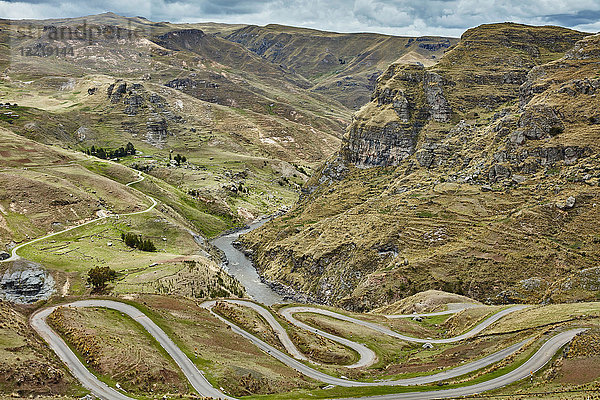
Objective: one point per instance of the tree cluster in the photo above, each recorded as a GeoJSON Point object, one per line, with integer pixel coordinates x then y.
{"type": "Point", "coordinates": [105, 154]}
{"type": "Point", "coordinates": [178, 159]}
{"type": "Point", "coordinates": [99, 276]}
{"type": "Point", "coordinates": [137, 242]}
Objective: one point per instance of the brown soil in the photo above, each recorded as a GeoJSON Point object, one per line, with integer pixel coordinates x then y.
{"type": "Point", "coordinates": [580, 370]}
{"type": "Point", "coordinates": [448, 358]}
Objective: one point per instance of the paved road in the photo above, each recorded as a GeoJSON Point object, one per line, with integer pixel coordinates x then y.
{"type": "Point", "coordinates": [88, 380]}
{"type": "Point", "coordinates": [266, 314]}
{"type": "Point", "coordinates": [288, 313]}
{"type": "Point", "coordinates": [14, 256]}
{"type": "Point", "coordinates": [535, 363]}
{"type": "Point", "coordinates": [199, 382]}
{"type": "Point", "coordinates": [453, 308]}
{"type": "Point", "coordinates": [367, 356]}
{"type": "Point", "coordinates": [204, 388]}
{"type": "Point", "coordinates": [306, 370]}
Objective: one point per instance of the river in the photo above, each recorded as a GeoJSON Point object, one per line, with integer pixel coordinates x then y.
{"type": "Point", "coordinates": [243, 270]}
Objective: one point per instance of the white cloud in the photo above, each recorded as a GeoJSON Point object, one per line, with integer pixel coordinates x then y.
{"type": "Point", "coordinates": [400, 17]}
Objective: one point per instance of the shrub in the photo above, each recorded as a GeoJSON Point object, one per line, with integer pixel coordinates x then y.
{"type": "Point", "coordinates": [138, 242]}
{"type": "Point", "coordinates": [99, 276]}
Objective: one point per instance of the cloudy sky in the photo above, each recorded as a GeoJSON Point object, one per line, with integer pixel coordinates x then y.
{"type": "Point", "coordinates": [399, 17]}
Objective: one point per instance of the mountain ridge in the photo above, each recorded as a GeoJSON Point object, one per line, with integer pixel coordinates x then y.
{"type": "Point", "coordinates": [427, 192]}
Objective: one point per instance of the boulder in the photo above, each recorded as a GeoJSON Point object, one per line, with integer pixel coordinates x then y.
{"type": "Point", "coordinates": [26, 283]}
{"type": "Point", "coordinates": [498, 172]}
{"type": "Point", "coordinates": [425, 157]}
{"type": "Point", "coordinates": [567, 204]}
{"type": "Point", "coordinates": [540, 121]}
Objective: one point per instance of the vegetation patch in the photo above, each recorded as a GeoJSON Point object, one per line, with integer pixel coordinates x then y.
{"type": "Point", "coordinates": [137, 242]}
{"type": "Point", "coordinates": [118, 350]}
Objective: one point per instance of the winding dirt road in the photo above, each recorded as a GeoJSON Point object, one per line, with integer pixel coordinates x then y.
{"type": "Point", "coordinates": [14, 256]}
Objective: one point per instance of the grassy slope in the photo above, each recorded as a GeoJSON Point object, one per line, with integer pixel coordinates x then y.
{"type": "Point", "coordinates": [256, 113]}
{"type": "Point", "coordinates": [338, 65]}
{"type": "Point", "coordinates": [377, 235]}
{"type": "Point", "coordinates": [193, 328]}
{"type": "Point", "coordinates": [28, 366]}
{"type": "Point", "coordinates": [225, 357]}
{"type": "Point", "coordinates": [48, 189]}
{"type": "Point", "coordinates": [103, 339]}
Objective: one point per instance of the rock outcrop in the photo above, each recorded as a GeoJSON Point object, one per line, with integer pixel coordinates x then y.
{"type": "Point", "coordinates": [136, 100]}
{"type": "Point", "coordinates": [156, 131]}
{"type": "Point", "coordinates": [385, 131]}
{"type": "Point", "coordinates": [26, 282]}
{"type": "Point", "coordinates": [478, 176]}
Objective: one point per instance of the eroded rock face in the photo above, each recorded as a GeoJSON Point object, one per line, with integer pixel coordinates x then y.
{"type": "Point", "coordinates": [397, 99]}
{"type": "Point", "coordinates": [133, 102]}
{"type": "Point", "coordinates": [588, 48]}
{"type": "Point", "coordinates": [439, 108]}
{"type": "Point", "coordinates": [156, 131]}
{"type": "Point", "coordinates": [415, 96]}
{"type": "Point", "coordinates": [541, 121]}
{"type": "Point", "coordinates": [116, 94]}
{"type": "Point", "coordinates": [26, 282]}
{"type": "Point", "coordinates": [136, 100]}
{"type": "Point", "coordinates": [381, 146]}
{"type": "Point", "coordinates": [185, 38]}
{"type": "Point", "coordinates": [539, 154]}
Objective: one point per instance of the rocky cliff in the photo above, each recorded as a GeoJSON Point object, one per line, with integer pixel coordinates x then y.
{"type": "Point", "coordinates": [477, 176]}
{"type": "Point", "coordinates": [385, 131]}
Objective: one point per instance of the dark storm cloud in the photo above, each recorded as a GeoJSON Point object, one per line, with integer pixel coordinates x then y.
{"type": "Point", "coordinates": [578, 18]}
{"type": "Point", "coordinates": [408, 17]}
{"type": "Point", "coordinates": [230, 7]}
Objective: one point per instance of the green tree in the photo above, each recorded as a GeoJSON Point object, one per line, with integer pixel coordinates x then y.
{"type": "Point", "coordinates": [137, 242]}
{"type": "Point", "coordinates": [147, 245]}
{"type": "Point", "coordinates": [98, 277]}
{"type": "Point", "coordinates": [129, 149]}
